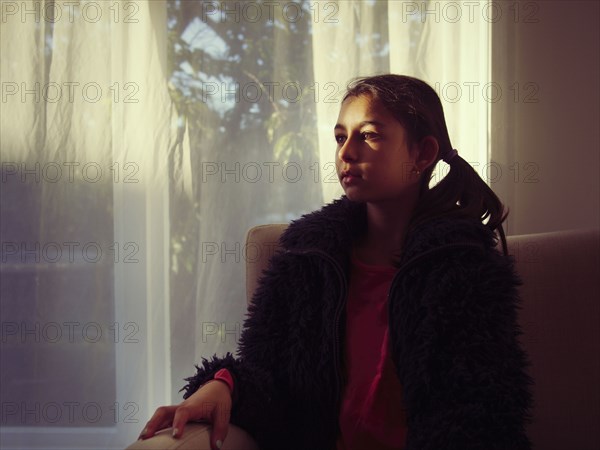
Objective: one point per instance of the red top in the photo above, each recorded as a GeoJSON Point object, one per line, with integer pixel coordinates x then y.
{"type": "Point", "coordinates": [371, 416]}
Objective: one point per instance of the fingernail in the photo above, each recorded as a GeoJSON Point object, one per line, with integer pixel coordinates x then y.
{"type": "Point", "coordinates": [175, 431]}
{"type": "Point", "coordinates": [219, 443]}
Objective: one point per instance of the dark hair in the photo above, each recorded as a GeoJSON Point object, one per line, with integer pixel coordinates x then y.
{"type": "Point", "coordinates": [462, 192]}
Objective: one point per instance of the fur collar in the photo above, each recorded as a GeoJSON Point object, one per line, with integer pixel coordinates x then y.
{"type": "Point", "coordinates": [337, 225]}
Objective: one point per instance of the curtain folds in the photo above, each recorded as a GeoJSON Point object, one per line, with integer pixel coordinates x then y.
{"type": "Point", "coordinates": [86, 123]}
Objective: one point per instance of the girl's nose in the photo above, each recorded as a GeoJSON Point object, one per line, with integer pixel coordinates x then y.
{"type": "Point", "coordinates": [348, 151]}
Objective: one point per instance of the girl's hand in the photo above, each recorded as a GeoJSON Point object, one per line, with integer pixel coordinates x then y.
{"type": "Point", "coordinates": [212, 402]}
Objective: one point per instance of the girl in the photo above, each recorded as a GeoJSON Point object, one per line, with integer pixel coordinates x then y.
{"type": "Point", "coordinates": [388, 320]}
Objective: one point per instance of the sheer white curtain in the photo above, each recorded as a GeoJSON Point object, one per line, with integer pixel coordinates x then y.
{"type": "Point", "coordinates": [135, 155]}
{"type": "Point", "coordinates": [86, 125]}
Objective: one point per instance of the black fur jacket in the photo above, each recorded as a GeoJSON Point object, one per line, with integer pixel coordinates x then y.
{"type": "Point", "coordinates": [453, 330]}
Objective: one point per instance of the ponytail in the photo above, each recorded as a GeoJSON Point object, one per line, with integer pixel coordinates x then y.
{"type": "Point", "coordinates": [461, 193]}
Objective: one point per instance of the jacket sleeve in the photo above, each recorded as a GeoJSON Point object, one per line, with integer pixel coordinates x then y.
{"type": "Point", "coordinates": [472, 390]}
{"type": "Point", "coordinates": [261, 392]}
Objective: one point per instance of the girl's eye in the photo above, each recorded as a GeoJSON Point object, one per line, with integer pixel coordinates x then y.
{"type": "Point", "coordinates": [368, 135]}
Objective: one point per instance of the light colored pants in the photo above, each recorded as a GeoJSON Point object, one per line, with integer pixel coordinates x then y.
{"type": "Point", "coordinates": [196, 436]}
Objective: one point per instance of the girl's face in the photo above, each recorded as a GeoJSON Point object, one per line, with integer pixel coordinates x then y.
{"type": "Point", "coordinates": [373, 161]}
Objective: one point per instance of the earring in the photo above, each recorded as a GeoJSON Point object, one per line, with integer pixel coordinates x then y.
{"type": "Point", "coordinates": [417, 171]}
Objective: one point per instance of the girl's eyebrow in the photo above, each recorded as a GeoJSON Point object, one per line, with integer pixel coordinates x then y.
{"type": "Point", "coordinates": [362, 124]}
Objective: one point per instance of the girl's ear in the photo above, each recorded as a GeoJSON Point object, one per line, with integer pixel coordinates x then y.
{"type": "Point", "coordinates": [428, 152]}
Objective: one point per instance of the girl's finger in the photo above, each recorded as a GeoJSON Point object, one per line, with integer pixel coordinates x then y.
{"type": "Point", "coordinates": [220, 422]}
{"type": "Point", "coordinates": [162, 418]}
{"type": "Point", "coordinates": [182, 416]}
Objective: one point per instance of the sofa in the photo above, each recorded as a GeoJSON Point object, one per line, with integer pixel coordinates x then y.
{"type": "Point", "coordinates": [560, 319]}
